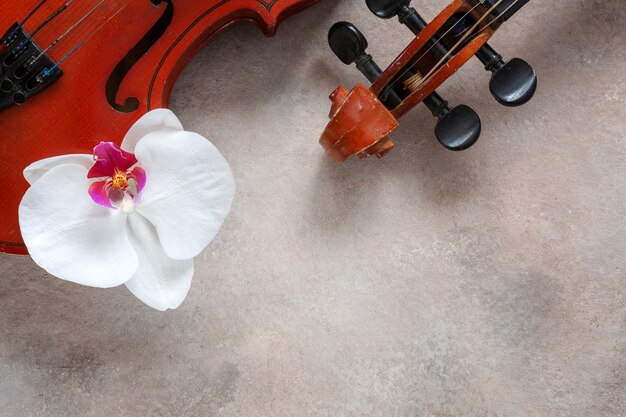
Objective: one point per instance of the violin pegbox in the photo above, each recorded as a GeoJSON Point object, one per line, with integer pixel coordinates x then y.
{"type": "Point", "coordinates": [360, 122]}
{"type": "Point", "coordinates": [362, 119]}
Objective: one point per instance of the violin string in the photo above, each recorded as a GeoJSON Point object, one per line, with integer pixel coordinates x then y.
{"type": "Point", "coordinates": [420, 80]}
{"type": "Point", "coordinates": [70, 29]}
{"type": "Point", "coordinates": [52, 16]}
{"type": "Point", "coordinates": [436, 43]}
{"type": "Point", "coordinates": [472, 35]}
{"type": "Point", "coordinates": [467, 35]}
{"type": "Point", "coordinates": [43, 24]}
{"type": "Point", "coordinates": [32, 12]}
{"type": "Point", "coordinates": [47, 72]}
{"type": "Point", "coordinates": [417, 81]}
{"type": "Point", "coordinates": [423, 79]}
{"type": "Point", "coordinates": [11, 37]}
{"type": "Point", "coordinates": [497, 17]}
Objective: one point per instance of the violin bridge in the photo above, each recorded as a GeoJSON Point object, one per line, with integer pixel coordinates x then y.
{"type": "Point", "coordinates": [24, 69]}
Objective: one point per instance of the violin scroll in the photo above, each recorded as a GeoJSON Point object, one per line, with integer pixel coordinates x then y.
{"type": "Point", "coordinates": [439, 49]}
{"type": "Point", "coordinates": [456, 129]}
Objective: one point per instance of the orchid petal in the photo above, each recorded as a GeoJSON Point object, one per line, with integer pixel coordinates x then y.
{"type": "Point", "coordinates": [189, 191]}
{"type": "Point", "coordinates": [99, 194]}
{"type": "Point", "coordinates": [70, 236]}
{"type": "Point", "coordinates": [109, 159]}
{"type": "Point", "coordinates": [35, 170]}
{"type": "Point", "coordinates": [139, 175]}
{"type": "Point", "coordinates": [160, 282]}
{"type": "Point", "coordinates": [158, 120]}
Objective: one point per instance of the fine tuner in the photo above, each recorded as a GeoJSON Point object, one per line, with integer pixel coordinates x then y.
{"type": "Point", "coordinates": [362, 119]}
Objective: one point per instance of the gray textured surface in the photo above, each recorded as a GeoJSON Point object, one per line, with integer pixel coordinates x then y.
{"type": "Point", "coordinates": [487, 283]}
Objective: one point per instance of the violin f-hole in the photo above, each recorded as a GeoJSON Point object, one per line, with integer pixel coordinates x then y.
{"type": "Point", "coordinates": [116, 78]}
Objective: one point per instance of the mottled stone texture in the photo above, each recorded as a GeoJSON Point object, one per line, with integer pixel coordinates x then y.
{"type": "Point", "coordinates": [489, 283]}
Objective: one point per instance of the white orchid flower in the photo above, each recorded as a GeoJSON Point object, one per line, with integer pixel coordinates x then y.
{"type": "Point", "coordinates": [136, 216]}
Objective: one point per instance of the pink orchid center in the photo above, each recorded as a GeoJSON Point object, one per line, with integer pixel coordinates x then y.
{"type": "Point", "coordinates": [120, 180]}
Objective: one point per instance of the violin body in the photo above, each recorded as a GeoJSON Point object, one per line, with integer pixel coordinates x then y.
{"type": "Point", "coordinates": [133, 52]}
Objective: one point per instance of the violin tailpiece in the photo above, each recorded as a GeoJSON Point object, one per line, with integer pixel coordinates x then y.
{"type": "Point", "coordinates": [22, 64]}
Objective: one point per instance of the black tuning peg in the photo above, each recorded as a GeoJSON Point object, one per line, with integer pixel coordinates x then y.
{"type": "Point", "coordinates": [513, 83]}
{"type": "Point", "coordinates": [386, 9]}
{"type": "Point", "coordinates": [459, 128]}
{"type": "Point", "coordinates": [349, 44]}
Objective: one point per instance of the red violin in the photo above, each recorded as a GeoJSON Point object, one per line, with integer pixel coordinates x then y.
{"type": "Point", "coordinates": [74, 73]}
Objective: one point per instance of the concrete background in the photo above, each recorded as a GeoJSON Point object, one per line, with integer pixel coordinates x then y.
{"type": "Point", "coordinates": [486, 283]}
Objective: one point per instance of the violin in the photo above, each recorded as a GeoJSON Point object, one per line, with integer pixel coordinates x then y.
{"type": "Point", "coordinates": [74, 73]}
{"type": "Point", "coordinates": [362, 119]}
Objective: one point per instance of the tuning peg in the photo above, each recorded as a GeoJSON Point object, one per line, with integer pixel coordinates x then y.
{"type": "Point", "coordinates": [349, 44]}
{"type": "Point", "coordinates": [386, 9]}
{"type": "Point", "coordinates": [458, 128]}
{"type": "Point", "coordinates": [513, 83]}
